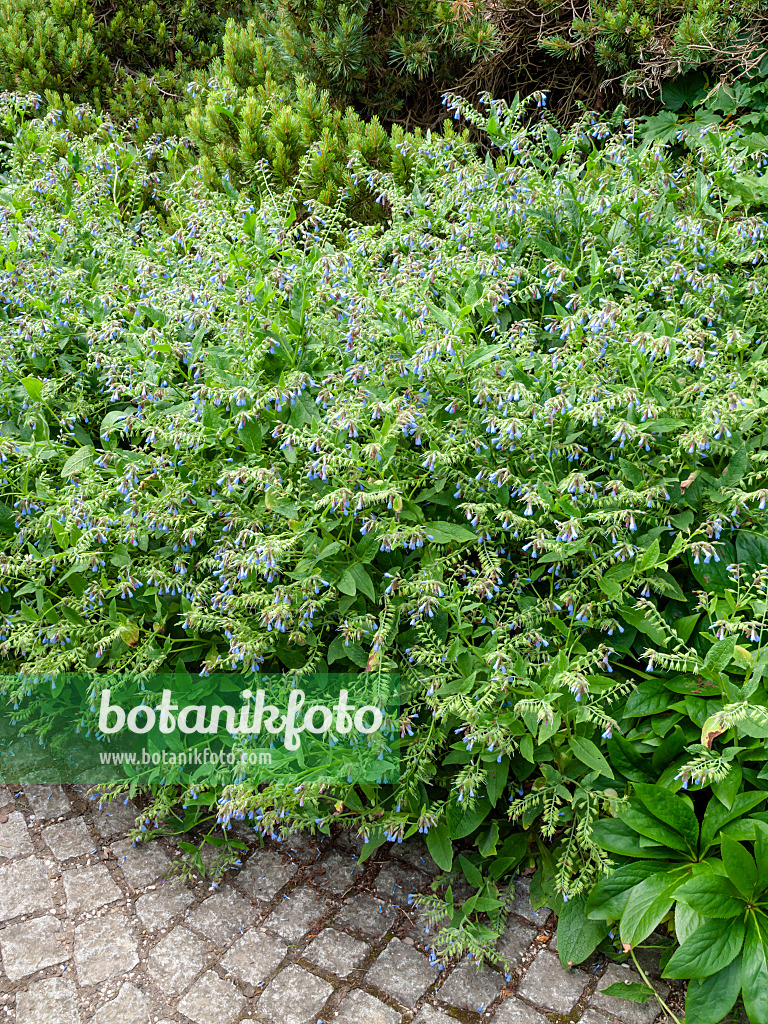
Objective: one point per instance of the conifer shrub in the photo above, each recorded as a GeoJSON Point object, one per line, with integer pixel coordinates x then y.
{"type": "Point", "coordinates": [508, 443]}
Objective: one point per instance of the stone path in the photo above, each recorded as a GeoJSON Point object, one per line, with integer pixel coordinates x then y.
{"type": "Point", "coordinates": [301, 934]}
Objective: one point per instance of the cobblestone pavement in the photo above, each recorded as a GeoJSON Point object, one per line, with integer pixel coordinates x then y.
{"type": "Point", "coordinates": [90, 931]}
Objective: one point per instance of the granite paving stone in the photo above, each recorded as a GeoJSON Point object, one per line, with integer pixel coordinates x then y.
{"type": "Point", "coordinates": [264, 875]}
{"type": "Point", "coordinates": [336, 873]}
{"type": "Point", "coordinates": [96, 931]}
{"type": "Point", "coordinates": [415, 853]}
{"type": "Point", "coordinates": [367, 916]}
{"type": "Point", "coordinates": [294, 996]}
{"type": "Point", "coordinates": [176, 960]}
{"type": "Point", "coordinates": [105, 948]}
{"type": "Point", "coordinates": [141, 865]}
{"type": "Point", "coordinates": [397, 881]}
{"type": "Point", "coordinates": [24, 888]}
{"type": "Point", "coordinates": [47, 802]}
{"type": "Point", "coordinates": [212, 1000]}
{"type": "Point", "coordinates": [513, 1011]}
{"type": "Point", "coordinates": [254, 957]}
{"type": "Point", "coordinates": [516, 939]}
{"type": "Point", "coordinates": [549, 985]}
{"type": "Point", "coordinates": [431, 1015]}
{"type": "Point", "coordinates": [402, 973]}
{"type": "Point", "coordinates": [130, 1006]}
{"type": "Point", "coordinates": [336, 952]}
{"type": "Point", "coordinates": [470, 989]}
{"type": "Point", "coordinates": [295, 917]}
{"type": "Point", "coordinates": [114, 818]}
{"type": "Point", "coordinates": [14, 837]}
{"type": "Point", "coordinates": [89, 887]}
{"type": "Point", "coordinates": [361, 1008]}
{"type": "Point", "coordinates": [158, 908]}
{"type": "Point", "coordinates": [223, 916]}
{"type": "Point", "coordinates": [521, 904]}
{"type": "Point", "coordinates": [30, 946]}
{"type": "Point", "coordinates": [52, 1001]}
{"type": "Point", "coordinates": [69, 839]}
{"type": "Point", "coordinates": [625, 1009]}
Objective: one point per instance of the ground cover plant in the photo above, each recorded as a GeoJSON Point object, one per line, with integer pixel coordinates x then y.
{"type": "Point", "coordinates": [506, 442]}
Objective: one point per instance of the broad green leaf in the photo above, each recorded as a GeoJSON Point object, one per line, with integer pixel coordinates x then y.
{"type": "Point", "coordinates": [445, 533]}
{"type": "Point", "coordinates": [616, 837]}
{"type": "Point", "coordinates": [608, 898]}
{"type": "Point", "coordinates": [651, 697]}
{"type": "Point", "coordinates": [487, 840]}
{"type": "Point", "coordinates": [496, 779]}
{"type": "Point", "coordinates": [635, 991]}
{"type": "Point", "coordinates": [720, 654]}
{"type": "Point", "coordinates": [33, 387]}
{"type": "Point", "coordinates": [577, 935]}
{"type": "Point", "coordinates": [645, 625]}
{"type": "Point", "coordinates": [674, 810]}
{"type": "Point", "coordinates": [751, 550]}
{"type": "Point", "coordinates": [589, 754]}
{"type": "Point", "coordinates": [711, 948]}
{"type": "Point", "coordinates": [717, 815]}
{"type": "Point", "coordinates": [440, 847]}
{"type": "Point", "coordinates": [76, 463]}
{"type": "Point", "coordinates": [647, 904]}
{"type": "Point", "coordinates": [711, 895]}
{"type": "Point", "coordinates": [707, 1001]}
{"type": "Point", "coordinates": [754, 968]}
{"type": "Point", "coordinates": [363, 581]}
{"type": "Point", "coordinates": [739, 866]}
{"type": "Point", "coordinates": [471, 872]}
{"type": "Point", "coordinates": [610, 588]}
{"type": "Point", "coordinates": [347, 583]}
{"type": "Point", "coordinates": [462, 821]}
{"type": "Point", "coordinates": [685, 625]}
{"type": "Point", "coordinates": [650, 827]}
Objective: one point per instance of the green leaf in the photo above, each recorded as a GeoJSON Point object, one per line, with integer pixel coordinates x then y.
{"type": "Point", "coordinates": [674, 810]}
{"type": "Point", "coordinates": [610, 588]}
{"type": "Point", "coordinates": [754, 968]}
{"type": "Point", "coordinates": [650, 827]}
{"type": "Point", "coordinates": [632, 990]}
{"type": "Point", "coordinates": [472, 873]}
{"type": "Point", "coordinates": [638, 619]}
{"type": "Point", "coordinates": [462, 821]}
{"type": "Point", "coordinates": [347, 583]}
{"type": "Point", "coordinates": [712, 896]}
{"type": "Point", "coordinates": [751, 550]}
{"type": "Point", "coordinates": [589, 754]}
{"type": "Point", "coordinates": [647, 904]}
{"type": "Point", "coordinates": [496, 779]}
{"type": "Point", "coordinates": [363, 581]}
{"type": "Point", "coordinates": [739, 866]}
{"type": "Point", "coordinates": [708, 1000]}
{"type": "Point", "coordinates": [717, 815]}
{"type": "Point", "coordinates": [577, 935]}
{"type": "Point", "coordinates": [445, 533]}
{"type": "Point", "coordinates": [685, 625]}
{"type": "Point", "coordinates": [608, 898]}
{"type": "Point", "coordinates": [720, 653]}
{"type": "Point", "coordinates": [651, 555]}
{"type": "Point", "coordinates": [616, 837]}
{"type": "Point", "coordinates": [711, 948]}
{"type": "Point", "coordinates": [651, 697]}
{"type": "Point", "coordinates": [33, 387]}
{"type": "Point", "coordinates": [487, 840]}
{"type": "Point", "coordinates": [76, 463]}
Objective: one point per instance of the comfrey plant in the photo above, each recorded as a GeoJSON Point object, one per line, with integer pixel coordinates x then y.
{"type": "Point", "coordinates": [494, 445]}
